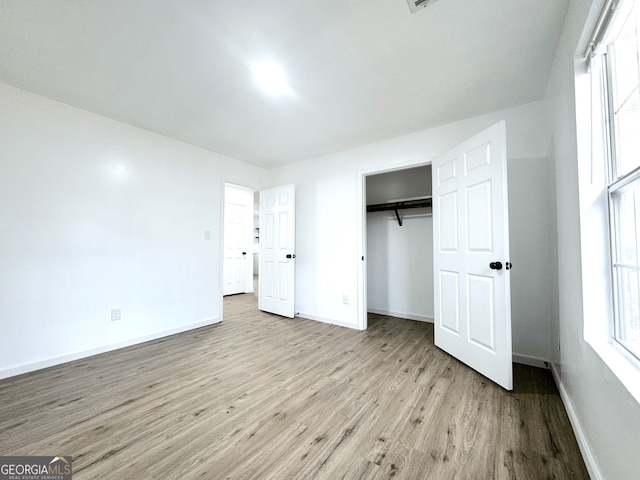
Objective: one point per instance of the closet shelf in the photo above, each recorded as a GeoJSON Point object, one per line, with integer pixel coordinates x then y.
{"type": "Point", "coordinates": [395, 206]}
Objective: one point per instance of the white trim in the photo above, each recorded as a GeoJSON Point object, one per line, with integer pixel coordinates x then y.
{"type": "Point", "coordinates": [531, 360]}
{"type": "Point", "coordinates": [408, 316]}
{"type": "Point", "coordinates": [330, 321]}
{"type": "Point", "coordinates": [70, 357]}
{"type": "Point", "coordinates": [583, 443]}
{"type": "Point", "coordinates": [223, 190]}
{"type": "Point", "coordinates": [361, 235]}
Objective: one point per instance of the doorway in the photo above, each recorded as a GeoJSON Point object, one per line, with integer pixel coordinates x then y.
{"type": "Point", "coordinates": [399, 243]}
{"type": "Point", "coordinates": [238, 240]}
{"type": "Point", "coordinates": [259, 246]}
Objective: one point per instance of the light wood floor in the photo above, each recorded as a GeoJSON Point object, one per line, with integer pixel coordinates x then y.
{"type": "Point", "coordinates": [263, 397]}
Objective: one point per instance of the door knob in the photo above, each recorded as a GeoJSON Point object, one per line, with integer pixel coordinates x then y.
{"type": "Point", "coordinates": [244, 253]}
{"type": "Point", "coordinates": [495, 265]}
{"type": "Point", "coordinates": [290, 256]}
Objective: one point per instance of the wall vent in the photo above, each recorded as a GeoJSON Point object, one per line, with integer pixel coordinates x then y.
{"type": "Point", "coordinates": [416, 5]}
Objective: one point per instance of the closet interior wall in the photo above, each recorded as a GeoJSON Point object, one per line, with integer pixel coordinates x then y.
{"type": "Point", "coordinates": [400, 246]}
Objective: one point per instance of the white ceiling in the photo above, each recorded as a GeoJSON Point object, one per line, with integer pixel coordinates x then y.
{"type": "Point", "coordinates": [360, 71]}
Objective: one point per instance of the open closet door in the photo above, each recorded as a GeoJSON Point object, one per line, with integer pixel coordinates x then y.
{"type": "Point", "coordinates": [471, 255]}
{"type": "Point", "coordinates": [277, 250]}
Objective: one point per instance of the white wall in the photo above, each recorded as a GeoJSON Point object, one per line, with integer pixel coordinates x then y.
{"type": "Point", "coordinates": [605, 416]}
{"type": "Point", "coordinates": [328, 216]}
{"type": "Point", "coordinates": [399, 185]}
{"type": "Point", "coordinates": [95, 215]}
{"type": "Point", "coordinates": [400, 264]}
{"type": "Point", "coordinates": [531, 213]}
{"type": "Point", "coordinates": [400, 258]}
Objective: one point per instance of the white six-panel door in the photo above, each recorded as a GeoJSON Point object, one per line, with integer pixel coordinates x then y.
{"type": "Point", "coordinates": [472, 298]}
{"type": "Point", "coordinates": [277, 250]}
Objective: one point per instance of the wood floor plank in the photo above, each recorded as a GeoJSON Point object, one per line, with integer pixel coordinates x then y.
{"type": "Point", "coordinates": [263, 397]}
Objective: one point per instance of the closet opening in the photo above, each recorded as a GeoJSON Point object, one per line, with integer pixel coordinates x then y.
{"type": "Point", "coordinates": [399, 244]}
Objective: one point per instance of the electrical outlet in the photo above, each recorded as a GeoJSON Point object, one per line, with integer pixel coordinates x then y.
{"type": "Point", "coordinates": [345, 299]}
{"type": "Point", "coordinates": [207, 234]}
{"type": "Point", "coordinates": [115, 314]}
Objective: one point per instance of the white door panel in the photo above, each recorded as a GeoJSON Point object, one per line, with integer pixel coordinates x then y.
{"type": "Point", "coordinates": [277, 250]}
{"type": "Point", "coordinates": [472, 308]}
{"type": "Point", "coordinates": [449, 301]}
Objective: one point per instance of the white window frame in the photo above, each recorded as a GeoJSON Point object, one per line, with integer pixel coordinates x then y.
{"type": "Point", "coordinates": [616, 181]}
{"type": "Point", "coordinates": [597, 183]}
{"type": "Point", "coordinates": [616, 264]}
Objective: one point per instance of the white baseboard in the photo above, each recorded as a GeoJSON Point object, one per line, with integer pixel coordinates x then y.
{"type": "Point", "coordinates": [330, 321]}
{"type": "Point", "coordinates": [52, 361]}
{"type": "Point", "coordinates": [583, 443]}
{"type": "Point", "coordinates": [408, 316]}
{"type": "Point", "coordinates": [531, 360]}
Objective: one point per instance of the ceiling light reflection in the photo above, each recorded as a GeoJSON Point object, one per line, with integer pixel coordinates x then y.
{"type": "Point", "coordinates": [271, 78]}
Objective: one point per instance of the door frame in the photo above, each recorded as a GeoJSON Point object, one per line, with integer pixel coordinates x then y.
{"type": "Point", "coordinates": [361, 195]}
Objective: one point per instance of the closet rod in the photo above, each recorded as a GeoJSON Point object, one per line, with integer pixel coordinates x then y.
{"type": "Point", "coordinates": [395, 206]}
{"type": "Point", "coordinates": [381, 207]}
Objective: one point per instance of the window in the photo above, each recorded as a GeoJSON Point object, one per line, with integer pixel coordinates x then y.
{"type": "Point", "coordinates": [619, 88]}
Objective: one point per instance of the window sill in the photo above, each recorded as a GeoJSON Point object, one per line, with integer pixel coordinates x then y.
{"type": "Point", "coordinates": [623, 365]}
